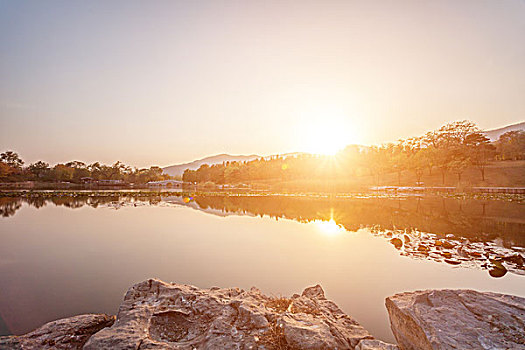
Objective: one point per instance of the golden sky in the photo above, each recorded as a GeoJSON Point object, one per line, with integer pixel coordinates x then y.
{"type": "Point", "coordinates": [163, 82]}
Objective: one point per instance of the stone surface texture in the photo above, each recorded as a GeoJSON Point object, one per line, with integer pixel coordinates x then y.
{"type": "Point", "coordinates": [66, 333]}
{"type": "Point", "coordinates": [159, 315]}
{"type": "Point", "coordinates": [374, 344]}
{"type": "Point", "coordinates": [457, 319]}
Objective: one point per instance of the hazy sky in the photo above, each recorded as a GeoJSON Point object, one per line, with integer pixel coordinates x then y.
{"type": "Point", "coordinates": [161, 82]}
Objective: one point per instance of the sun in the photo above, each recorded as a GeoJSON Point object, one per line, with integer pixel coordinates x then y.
{"type": "Point", "coordinates": [328, 140]}
{"type": "Point", "coordinates": [326, 131]}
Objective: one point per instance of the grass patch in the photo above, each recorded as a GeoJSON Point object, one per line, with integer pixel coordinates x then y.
{"type": "Point", "coordinates": [274, 339]}
{"type": "Point", "coordinates": [279, 304]}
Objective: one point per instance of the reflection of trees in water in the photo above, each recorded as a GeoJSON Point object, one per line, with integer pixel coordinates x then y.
{"type": "Point", "coordinates": [9, 206]}
{"type": "Point", "coordinates": [429, 221]}
{"type": "Point", "coordinates": [37, 202]}
{"type": "Point", "coordinates": [453, 231]}
{"type": "Point", "coordinates": [473, 219]}
{"type": "Point", "coordinates": [477, 220]}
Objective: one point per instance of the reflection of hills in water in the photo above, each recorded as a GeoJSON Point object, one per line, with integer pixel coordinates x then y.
{"type": "Point", "coordinates": [468, 232]}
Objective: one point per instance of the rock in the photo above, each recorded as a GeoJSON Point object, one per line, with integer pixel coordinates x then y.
{"type": "Point", "coordinates": [447, 255]}
{"type": "Point", "coordinates": [159, 315]}
{"type": "Point", "coordinates": [398, 243]}
{"type": "Point", "coordinates": [448, 245]}
{"type": "Point", "coordinates": [315, 292]}
{"type": "Point", "coordinates": [374, 344]}
{"type": "Point", "coordinates": [422, 248]}
{"type": "Point", "coordinates": [457, 319]}
{"type": "Point", "coordinates": [452, 261]}
{"type": "Point", "coordinates": [498, 271]}
{"type": "Point", "coordinates": [516, 259]}
{"type": "Point", "coordinates": [66, 333]}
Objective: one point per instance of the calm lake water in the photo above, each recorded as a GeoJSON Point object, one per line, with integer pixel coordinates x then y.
{"type": "Point", "coordinates": [64, 256]}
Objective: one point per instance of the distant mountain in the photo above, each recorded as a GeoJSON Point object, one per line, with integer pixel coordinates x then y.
{"type": "Point", "coordinates": [494, 134]}
{"type": "Point", "coordinates": [286, 155]}
{"type": "Point", "coordinates": [178, 169]}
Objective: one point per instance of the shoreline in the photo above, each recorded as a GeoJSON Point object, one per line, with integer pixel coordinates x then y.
{"type": "Point", "coordinates": [515, 197]}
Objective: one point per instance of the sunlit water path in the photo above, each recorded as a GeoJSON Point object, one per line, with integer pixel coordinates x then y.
{"type": "Point", "coordinates": [57, 262]}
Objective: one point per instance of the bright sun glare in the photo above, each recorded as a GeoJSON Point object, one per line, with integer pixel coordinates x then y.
{"type": "Point", "coordinates": [328, 140]}
{"type": "Point", "coordinates": [329, 228]}
{"type": "Point", "coordinates": [326, 131]}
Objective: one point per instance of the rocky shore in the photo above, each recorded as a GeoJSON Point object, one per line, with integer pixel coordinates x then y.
{"type": "Point", "coordinates": [159, 315]}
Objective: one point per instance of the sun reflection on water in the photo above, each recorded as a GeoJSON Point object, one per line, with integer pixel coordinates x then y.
{"type": "Point", "coordinates": [329, 228]}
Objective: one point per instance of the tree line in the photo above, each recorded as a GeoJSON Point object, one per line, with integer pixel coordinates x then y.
{"type": "Point", "coordinates": [12, 169]}
{"type": "Point", "coordinates": [451, 149]}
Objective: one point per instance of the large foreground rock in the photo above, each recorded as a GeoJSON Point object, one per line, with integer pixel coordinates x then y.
{"type": "Point", "coordinates": [457, 319]}
{"type": "Point", "coordinates": [158, 315]}
{"type": "Point", "coordinates": [66, 333]}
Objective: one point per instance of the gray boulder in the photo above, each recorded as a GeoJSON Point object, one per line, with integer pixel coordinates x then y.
{"type": "Point", "coordinates": [66, 333]}
{"type": "Point", "coordinates": [457, 319]}
{"type": "Point", "coordinates": [159, 315]}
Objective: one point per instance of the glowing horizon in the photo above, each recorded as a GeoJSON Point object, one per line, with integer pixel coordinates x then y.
{"type": "Point", "coordinates": [162, 83]}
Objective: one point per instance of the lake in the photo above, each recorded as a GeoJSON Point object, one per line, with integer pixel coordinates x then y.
{"type": "Point", "coordinates": [66, 255]}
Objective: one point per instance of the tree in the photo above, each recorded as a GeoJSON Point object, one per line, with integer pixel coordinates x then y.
{"type": "Point", "coordinates": [452, 143]}
{"type": "Point", "coordinates": [61, 172]}
{"type": "Point", "coordinates": [156, 171]}
{"type": "Point", "coordinates": [189, 176]}
{"type": "Point", "coordinates": [458, 166]}
{"type": "Point", "coordinates": [39, 169]}
{"type": "Point", "coordinates": [95, 170]}
{"type": "Point", "coordinates": [79, 173]}
{"type": "Point", "coordinates": [12, 159]}
{"type": "Point", "coordinates": [511, 145]}
{"type": "Point", "coordinates": [416, 164]}
{"type": "Point", "coordinates": [399, 161]}
{"type": "Point", "coordinates": [6, 171]}
{"type": "Point", "coordinates": [429, 152]}
{"type": "Point", "coordinates": [481, 152]}
{"type": "Point", "coordinates": [456, 133]}
{"type": "Point", "coordinates": [76, 164]}
{"type": "Point", "coordinates": [232, 174]}
{"type": "Point", "coordinates": [378, 161]}
{"type": "Point", "coordinates": [117, 171]}
{"type": "Point", "coordinates": [443, 160]}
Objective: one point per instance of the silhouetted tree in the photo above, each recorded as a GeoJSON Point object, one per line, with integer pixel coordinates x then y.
{"type": "Point", "coordinates": [39, 169]}
{"type": "Point", "coordinates": [511, 145]}
{"type": "Point", "coordinates": [12, 159]}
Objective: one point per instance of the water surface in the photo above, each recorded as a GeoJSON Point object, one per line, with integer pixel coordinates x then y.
{"type": "Point", "coordinates": [63, 256]}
